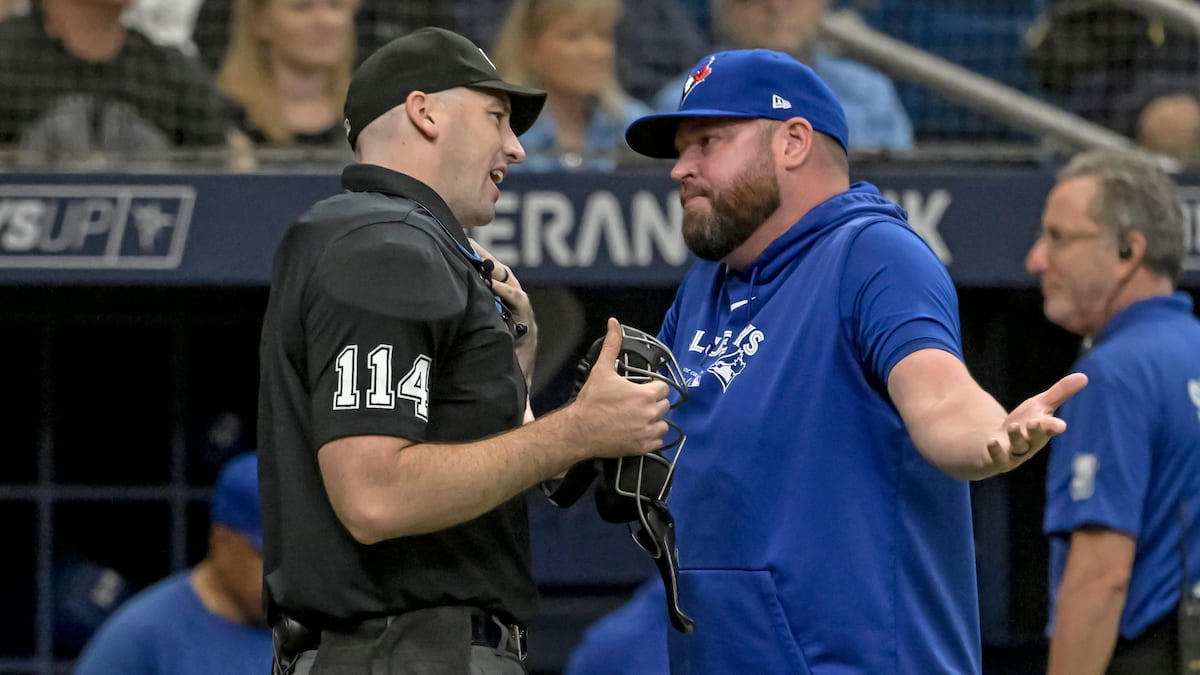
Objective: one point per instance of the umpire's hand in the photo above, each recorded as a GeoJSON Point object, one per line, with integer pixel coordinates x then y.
{"type": "Point", "coordinates": [521, 320]}
{"type": "Point", "coordinates": [613, 415]}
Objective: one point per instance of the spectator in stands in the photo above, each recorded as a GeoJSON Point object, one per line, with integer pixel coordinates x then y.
{"type": "Point", "coordinates": [166, 22]}
{"type": "Point", "coordinates": [204, 620]}
{"type": "Point", "coordinates": [8, 7]}
{"type": "Point", "coordinates": [655, 39]}
{"type": "Point", "coordinates": [1161, 111]}
{"type": "Point", "coordinates": [567, 48]}
{"type": "Point", "coordinates": [1122, 68]}
{"type": "Point", "coordinates": [287, 68]}
{"type": "Point", "coordinates": [1170, 124]}
{"type": "Point", "coordinates": [376, 22]}
{"type": "Point", "coordinates": [873, 109]}
{"type": "Point", "coordinates": [74, 81]}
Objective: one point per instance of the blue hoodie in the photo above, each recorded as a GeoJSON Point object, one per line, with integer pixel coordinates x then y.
{"type": "Point", "coordinates": [813, 536]}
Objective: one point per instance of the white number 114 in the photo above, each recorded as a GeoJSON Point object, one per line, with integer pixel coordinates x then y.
{"type": "Point", "coordinates": [414, 386]}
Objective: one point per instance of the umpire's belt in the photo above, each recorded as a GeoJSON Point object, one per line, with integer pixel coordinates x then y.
{"type": "Point", "coordinates": [487, 630]}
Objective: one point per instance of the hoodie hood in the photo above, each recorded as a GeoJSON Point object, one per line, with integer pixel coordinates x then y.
{"type": "Point", "coordinates": [861, 200]}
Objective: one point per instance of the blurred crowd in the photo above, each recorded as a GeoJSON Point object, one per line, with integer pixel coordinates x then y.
{"type": "Point", "coordinates": [90, 82]}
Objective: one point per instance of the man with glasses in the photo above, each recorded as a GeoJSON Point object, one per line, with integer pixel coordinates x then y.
{"type": "Point", "coordinates": [1123, 488]}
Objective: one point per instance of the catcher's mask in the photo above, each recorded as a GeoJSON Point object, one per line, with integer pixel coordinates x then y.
{"type": "Point", "coordinates": [635, 488]}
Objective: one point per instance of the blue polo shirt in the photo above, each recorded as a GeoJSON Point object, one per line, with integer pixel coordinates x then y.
{"type": "Point", "coordinates": [813, 535]}
{"type": "Point", "coordinates": [1131, 454]}
{"type": "Point", "coordinates": [603, 141]}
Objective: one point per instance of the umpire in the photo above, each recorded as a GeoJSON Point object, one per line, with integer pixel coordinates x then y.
{"type": "Point", "coordinates": [395, 433]}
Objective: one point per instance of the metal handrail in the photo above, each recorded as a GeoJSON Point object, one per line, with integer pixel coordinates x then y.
{"type": "Point", "coordinates": [846, 30]}
{"type": "Point", "coordinates": [1181, 11]}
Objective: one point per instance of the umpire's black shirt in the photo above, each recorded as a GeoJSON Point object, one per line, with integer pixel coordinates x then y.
{"type": "Point", "coordinates": [380, 323]}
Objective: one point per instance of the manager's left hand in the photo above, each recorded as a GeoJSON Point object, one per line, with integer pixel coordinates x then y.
{"type": "Point", "coordinates": [1031, 425]}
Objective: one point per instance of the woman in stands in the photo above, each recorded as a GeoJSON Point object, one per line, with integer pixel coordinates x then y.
{"type": "Point", "coordinates": [287, 68]}
{"type": "Point", "coordinates": [566, 47]}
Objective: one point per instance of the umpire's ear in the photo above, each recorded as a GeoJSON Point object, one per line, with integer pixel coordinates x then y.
{"type": "Point", "coordinates": [421, 109]}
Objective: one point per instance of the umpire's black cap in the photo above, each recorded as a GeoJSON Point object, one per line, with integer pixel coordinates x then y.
{"type": "Point", "coordinates": [429, 60]}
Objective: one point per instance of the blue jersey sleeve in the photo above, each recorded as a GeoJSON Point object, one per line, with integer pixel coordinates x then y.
{"type": "Point", "coordinates": [1100, 469]}
{"type": "Point", "coordinates": [119, 647]}
{"type": "Point", "coordinates": [897, 298]}
{"type": "Point", "coordinates": [167, 629]}
{"type": "Point", "coordinates": [631, 640]}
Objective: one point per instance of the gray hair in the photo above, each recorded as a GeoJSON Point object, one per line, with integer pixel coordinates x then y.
{"type": "Point", "coordinates": [1134, 193]}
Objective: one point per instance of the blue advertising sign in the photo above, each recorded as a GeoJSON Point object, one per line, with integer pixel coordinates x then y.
{"type": "Point", "coordinates": [581, 229]}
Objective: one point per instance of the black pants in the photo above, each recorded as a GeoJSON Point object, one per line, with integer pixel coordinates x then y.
{"type": "Point", "coordinates": [434, 641]}
{"type": "Point", "coordinates": [1153, 652]}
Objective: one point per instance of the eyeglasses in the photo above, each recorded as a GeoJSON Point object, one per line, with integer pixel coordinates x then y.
{"type": "Point", "coordinates": [1057, 241]}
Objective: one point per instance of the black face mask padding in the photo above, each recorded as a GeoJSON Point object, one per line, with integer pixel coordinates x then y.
{"type": "Point", "coordinates": [634, 489]}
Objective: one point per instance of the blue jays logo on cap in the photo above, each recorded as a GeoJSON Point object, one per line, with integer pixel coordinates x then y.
{"type": "Point", "coordinates": [748, 83]}
{"type": "Point", "coordinates": [697, 77]}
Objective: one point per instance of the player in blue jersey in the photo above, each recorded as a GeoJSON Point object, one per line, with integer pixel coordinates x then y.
{"type": "Point", "coordinates": [204, 620]}
{"type": "Point", "coordinates": [823, 520]}
{"type": "Point", "coordinates": [1123, 488]}
{"type": "Point", "coordinates": [637, 631]}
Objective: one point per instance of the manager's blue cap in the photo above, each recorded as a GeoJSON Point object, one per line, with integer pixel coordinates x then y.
{"type": "Point", "coordinates": [751, 83]}
{"type": "Point", "coordinates": [235, 502]}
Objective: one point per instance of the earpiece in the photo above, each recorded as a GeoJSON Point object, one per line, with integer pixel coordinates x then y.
{"type": "Point", "coordinates": [1124, 251]}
